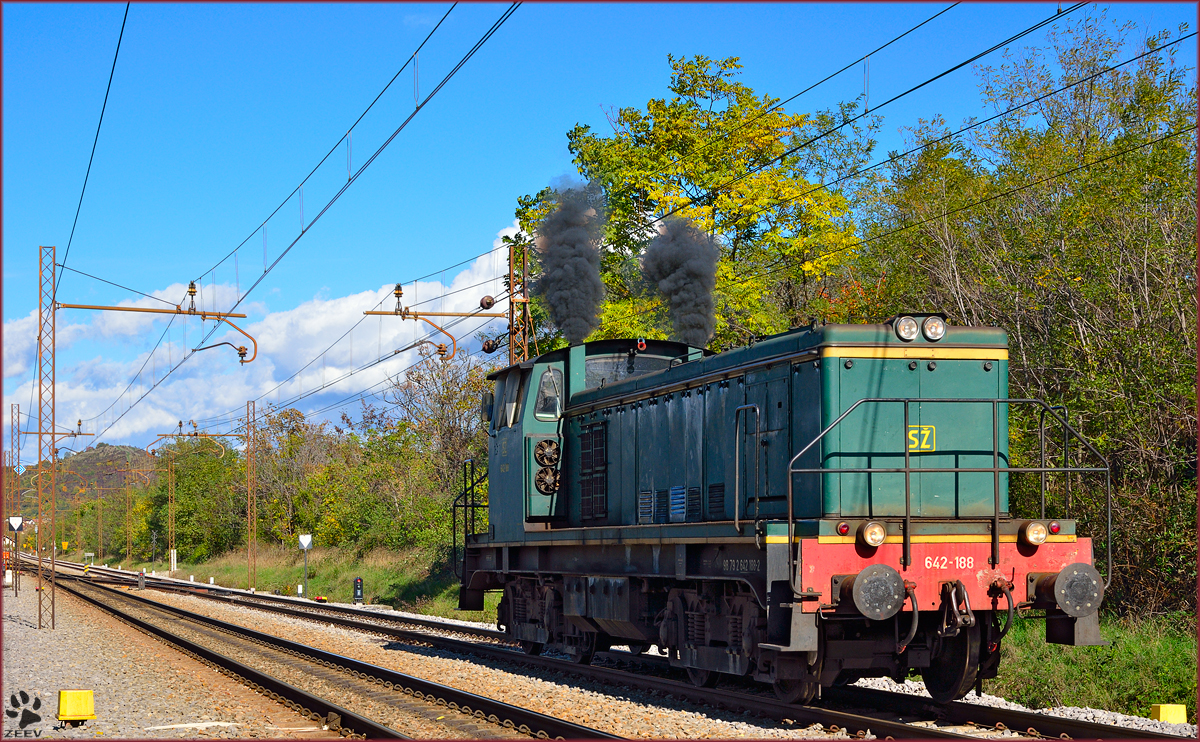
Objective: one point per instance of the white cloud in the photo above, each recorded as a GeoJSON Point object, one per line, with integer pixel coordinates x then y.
{"type": "Point", "coordinates": [212, 387]}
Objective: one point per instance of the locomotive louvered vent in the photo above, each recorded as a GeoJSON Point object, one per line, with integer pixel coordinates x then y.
{"type": "Point", "coordinates": [716, 501]}
{"type": "Point", "coordinates": [593, 472]}
{"type": "Point", "coordinates": [660, 506]}
{"type": "Point", "coordinates": [693, 504]}
{"type": "Point", "coordinates": [646, 506]}
{"type": "Point", "coordinates": [678, 505]}
{"type": "Point", "coordinates": [520, 610]}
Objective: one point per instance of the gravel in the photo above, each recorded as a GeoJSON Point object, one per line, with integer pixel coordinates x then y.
{"type": "Point", "coordinates": [917, 688]}
{"type": "Point", "coordinates": [622, 711]}
{"type": "Point", "coordinates": [143, 689]}
{"type": "Point", "coordinates": [420, 719]}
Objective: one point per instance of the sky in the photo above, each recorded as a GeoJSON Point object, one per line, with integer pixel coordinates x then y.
{"type": "Point", "coordinates": [217, 112]}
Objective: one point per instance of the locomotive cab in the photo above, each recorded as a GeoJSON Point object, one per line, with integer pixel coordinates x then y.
{"type": "Point", "coordinates": [823, 505]}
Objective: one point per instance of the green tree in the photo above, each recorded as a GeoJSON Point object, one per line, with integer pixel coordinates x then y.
{"type": "Point", "coordinates": [745, 171]}
{"type": "Point", "coordinates": [1090, 268]}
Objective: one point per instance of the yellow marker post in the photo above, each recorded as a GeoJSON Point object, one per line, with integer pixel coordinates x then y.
{"type": "Point", "coordinates": [1172, 713]}
{"type": "Point", "coordinates": [76, 706]}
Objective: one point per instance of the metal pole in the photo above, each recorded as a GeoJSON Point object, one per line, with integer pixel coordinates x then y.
{"type": "Point", "coordinates": [306, 573]}
{"type": "Point", "coordinates": [46, 448]}
{"type": "Point", "coordinates": [171, 513]}
{"type": "Point", "coordinates": [251, 501]}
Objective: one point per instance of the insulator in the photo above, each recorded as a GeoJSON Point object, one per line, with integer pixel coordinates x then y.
{"type": "Point", "coordinates": [487, 302]}
{"type": "Point", "coordinates": [192, 289]}
{"type": "Point", "coordinates": [441, 349]}
{"type": "Point", "coordinates": [241, 351]}
{"type": "Point", "coordinates": [398, 291]}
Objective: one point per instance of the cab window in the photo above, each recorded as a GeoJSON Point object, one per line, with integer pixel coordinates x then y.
{"type": "Point", "coordinates": [512, 398]}
{"type": "Point", "coordinates": [549, 397]}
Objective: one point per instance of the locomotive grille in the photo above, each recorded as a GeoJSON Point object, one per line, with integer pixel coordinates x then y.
{"type": "Point", "coordinates": [693, 504]}
{"type": "Point", "coordinates": [697, 628]}
{"type": "Point", "coordinates": [520, 610]}
{"type": "Point", "coordinates": [646, 506]}
{"type": "Point", "coordinates": [716, 501]}
{"type": "Point", "coordinates": [678, 505]}
{"type": "Point", "coordinates": [660, 506]}
{"type": "Point", "coordinates": [593, 472]}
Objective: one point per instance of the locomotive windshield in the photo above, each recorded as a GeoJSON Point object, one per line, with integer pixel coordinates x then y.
{"type": "Point", "coordinates": [549, 397]}
{"type": "Point", "coordinates": [602, 370]}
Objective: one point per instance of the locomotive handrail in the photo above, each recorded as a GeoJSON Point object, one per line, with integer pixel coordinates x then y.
{"type": "Point", "coordinates": [470, 482]}
{"type": "Point", "coordinates": [737, 478]}
{"type": "Point", "coordinates": [995, 469]}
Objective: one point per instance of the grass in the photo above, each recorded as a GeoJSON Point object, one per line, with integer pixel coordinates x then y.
{"type": "Point", "coordinates": [1150, 660]}
{"type": "Point", "coordinates": [404, 580]}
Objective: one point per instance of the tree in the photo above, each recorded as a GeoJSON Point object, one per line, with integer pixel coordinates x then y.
{"type": "Point", "coordinates": [1086, 254]}
{"type": "Point", "coordinates": [746, 172]}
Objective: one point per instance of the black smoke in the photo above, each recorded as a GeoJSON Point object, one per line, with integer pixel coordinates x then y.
{"type": "Point", "coordinates": [568, 249]}
{"type": "Point", "coordinates": [682, 262]}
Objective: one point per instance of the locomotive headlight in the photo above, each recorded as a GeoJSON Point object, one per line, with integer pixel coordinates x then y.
{"type": "Point", "coordinates": [872, 533]}
{"type": "Point", "coordinates": [934, 328]}
{"type": "Point", "coordinates": [907, 328]}
{"type": "Point", "coordinates": [1033, 533]}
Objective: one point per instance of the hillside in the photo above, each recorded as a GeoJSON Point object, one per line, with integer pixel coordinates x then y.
{"type": "Point", "coordinates": [98, 466]}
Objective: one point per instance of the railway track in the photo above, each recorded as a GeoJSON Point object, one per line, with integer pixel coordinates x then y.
{"type": "Point", "coordinates": [304, 679]}
{"type": "Point", "coordinates": [899, 715]}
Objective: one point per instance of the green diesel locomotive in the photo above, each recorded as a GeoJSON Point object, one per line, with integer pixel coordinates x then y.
{"type": "Point", "coordinates": [822, 505]}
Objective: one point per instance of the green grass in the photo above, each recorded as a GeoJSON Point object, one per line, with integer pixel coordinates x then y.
{"type": "Point", "coordinates": [1150, 660]}
{"type": "Point", "coordinates": [402, 580]}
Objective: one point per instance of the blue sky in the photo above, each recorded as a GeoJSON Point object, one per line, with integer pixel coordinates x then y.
{"type": "Point", "coordinates": [218, 111]}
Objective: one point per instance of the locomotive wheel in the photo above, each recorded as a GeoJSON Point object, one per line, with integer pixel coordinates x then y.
{"type": "Point", "coordinates": [703, 678]}
{"type": "Point", "coordinates": [795, 691]}
{"type": "Point", "coordinates": [531, 647]}
{"type": "Point", "coordinates": [639, 647]}
{"type": "Point", "coordinates": [952, 673]}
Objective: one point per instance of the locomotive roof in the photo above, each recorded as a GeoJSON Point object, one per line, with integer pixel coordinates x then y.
{"type": "Point", "coordinates": [796, 342]}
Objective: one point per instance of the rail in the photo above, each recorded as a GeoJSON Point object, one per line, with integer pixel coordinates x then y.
{"type": "Point", "coordinates": [468, 502]}
{"type": "Point", "coordinates": [995, 469]}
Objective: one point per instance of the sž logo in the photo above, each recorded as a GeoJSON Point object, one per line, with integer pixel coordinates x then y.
{"type": "Point", "coordinates": [26, 711]}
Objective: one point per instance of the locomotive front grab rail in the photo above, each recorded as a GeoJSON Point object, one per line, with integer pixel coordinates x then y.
{"type": "Point", "coordinates": [469, 503]}
{"type": "Point", "coordinates": [907, 470]}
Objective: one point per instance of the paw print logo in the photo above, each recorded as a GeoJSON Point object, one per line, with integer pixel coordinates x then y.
{"type": "Point", "coordinates": [21, 707]}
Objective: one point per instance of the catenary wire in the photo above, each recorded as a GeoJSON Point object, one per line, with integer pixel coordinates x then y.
{"type": "Point", "coordinates": [363, 318]}
{"type": "Point", "coordinates": [964, 129]}
{"type": "Point", "coordinates": [490, 32]}
{"type": "Point", "coordinates": [690, 154]}
{"type": "Point", "coordinates": [92, 156]}
{"type": "Point", "coordinates": [336, 144]}
{"type": "Point", "coordinates": [815, 85]}
{"type": "Point", "coordinates": [980, 202]}
{"type": "Point", "coordinates": [110, 283]}
{"type": "Point", "coordinates": [285, 200]}
{"type": "Point", "coordinates": [711, 192]}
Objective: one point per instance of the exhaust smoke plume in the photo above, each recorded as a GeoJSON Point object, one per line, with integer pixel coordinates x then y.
{"type": "Point", "coordinates": [682, 262]}
{"type": "Point", "coordinates": [568, 248]}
